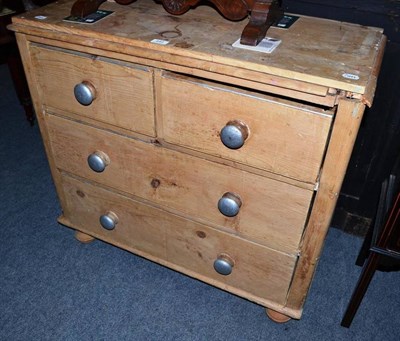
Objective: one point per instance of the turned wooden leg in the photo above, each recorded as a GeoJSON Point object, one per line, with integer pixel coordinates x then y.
{"type": "Point", "coordinates": [83, 237]}
{"type": "Point", "coordinates": [277, 317]}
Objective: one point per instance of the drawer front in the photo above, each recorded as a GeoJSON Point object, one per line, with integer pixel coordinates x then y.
{"type": "Point", "coordinates": [122, 92]}
{"type": "Point", "coordinates": [182, 244]}
{"type": "Point", "coordinates": [271, 212]}
{"type": "Point", "coordinates": [277, 136]}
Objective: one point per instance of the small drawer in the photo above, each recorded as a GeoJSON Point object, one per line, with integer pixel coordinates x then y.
{"type": "Point", "coordinates": [105, 90]}
{"type": "Point", "coordinates": [247, 269]}
{"type": "Point", "coordinates": [279, 136]}
{"type": "Point", "coordinates": [264, 210]}
{"type": "Point", "coordinates": [133, 226]}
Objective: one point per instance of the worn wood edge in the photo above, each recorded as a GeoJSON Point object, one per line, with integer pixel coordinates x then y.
{"type": "Point", "coordinates": [159, 122]}
{"type": "Point", "coordinates": [29, 20]}
{"type": "Point", "coordinates": [319, 84]}
{"type": "Point", "coordinates": [347, 122]}
{"type": "Point", "coordinates": [264, 97]}
{"type": "Point", "coordinates": [99, 124]}
{"type": "Point", "coordinates": [369, 94]}
{"type": "Point", "coordinates": [161, 54]}
{"type": "Point", "coordinates": [172, 59]}
{"type": "Point", "coordinates": [344, 23]}
{"type": "Point", "coordinates": [294, 313]}
{"type": "Point", "coordinates": [328, 99]}
{"type": "Point", "coordinates": [250, 169]}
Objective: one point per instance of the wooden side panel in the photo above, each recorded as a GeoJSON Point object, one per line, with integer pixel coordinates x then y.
{"type": "Point", "coordinates": [24, 49]}
{"type": "Point", "coordinates": [124, 92]}
{"type": "Point", "coordinates": [344, 133]}
{"type": "Point", "coordinates": [259, 273]}
{"type": "Point", "coordinates": [272, 213]}
{"type": "Point", "coordinates": [285, 137]}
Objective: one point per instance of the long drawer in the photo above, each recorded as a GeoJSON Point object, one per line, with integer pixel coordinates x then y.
{"type": "Point", "coordinates": [279, 136]}
{"type": "Point", "coordinates": [258, 273]}
{"type": "Point", "coordinates": [121, 93]}
{"type": "Point", "coordinates": [272, 212]}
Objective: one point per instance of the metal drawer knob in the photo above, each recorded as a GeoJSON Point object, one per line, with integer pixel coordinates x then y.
{"type": "Point", "coordinates": [229, 204]}
{"type": "Point", "coordinates": [224, 264]}
{"type": "Point", "coordinates": [98, 161]}
{"type": "Point", "coordinates": [234, 134]}
{"type": "Point", "coordinates": [109, 220]}
{"type": "Point", "coordinates": [85, 93]}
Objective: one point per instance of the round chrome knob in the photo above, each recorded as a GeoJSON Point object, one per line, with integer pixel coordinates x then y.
{"type": "Point", "coordinates": [229, 204]}
{"type": "Point", "coordinates": [98, 161]}
{"type": "Point", "coordinates": [109, 220]}
{"type": "Point", "coordinates": [234, 134]}
{"type": "Point", "coordinates": [224, 264]}
{"type": "Point", "coordinates": [85, 93]}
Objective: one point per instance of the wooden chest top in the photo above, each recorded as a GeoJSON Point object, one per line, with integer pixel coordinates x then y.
{"type": "Point", "coordinates": [321, 53]}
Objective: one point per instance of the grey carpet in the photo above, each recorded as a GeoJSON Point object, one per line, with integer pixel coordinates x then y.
{"type": "Point", "coordinates": [55, 288]}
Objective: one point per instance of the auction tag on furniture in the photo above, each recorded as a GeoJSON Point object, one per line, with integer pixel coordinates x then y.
{"type": "Point", "coordinates": [90, 19]}
{"type": "Point", "coordinates": [286, 21]}
{"type": "Point", "coordinates": [159, 41]}
{"type": "Point", "coordinates": [267, 45]}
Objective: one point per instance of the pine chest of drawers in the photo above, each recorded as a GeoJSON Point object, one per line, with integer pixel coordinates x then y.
{"type": "Point", "coordinates": [221, 163]}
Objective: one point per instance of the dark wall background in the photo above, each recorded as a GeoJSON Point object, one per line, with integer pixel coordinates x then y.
{"type": "Point", "coordinates": [19, 5]}
{"type": "Point", "coordinates": [378, 142]}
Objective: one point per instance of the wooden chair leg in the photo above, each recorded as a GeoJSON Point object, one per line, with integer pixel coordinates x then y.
{"type": "Point", "coordinates": [361, 288]}
{"type": "Point", "coordinates": [364, 251]}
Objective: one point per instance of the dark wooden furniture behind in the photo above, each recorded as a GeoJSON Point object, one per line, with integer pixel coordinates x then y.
{"type": "Point", "coordinates": [9, 51]}
{"type": "Point", "coordinates": [9, 54]}
{"type": "Point", "coordinates": [381, 243]}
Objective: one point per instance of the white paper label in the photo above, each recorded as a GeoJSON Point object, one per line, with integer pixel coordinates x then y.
{"type": "Point", "coordinates": [267, 45]}
{"type": "Point", "coordinates": [350, 76]}
{"type": "Point", "coordinates": [159, 41]}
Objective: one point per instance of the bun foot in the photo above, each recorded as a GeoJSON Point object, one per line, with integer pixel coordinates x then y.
{"type": "Point", "coordinates": [277, 317]}
{"type": "Point", "coordinates": [83, 237]}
